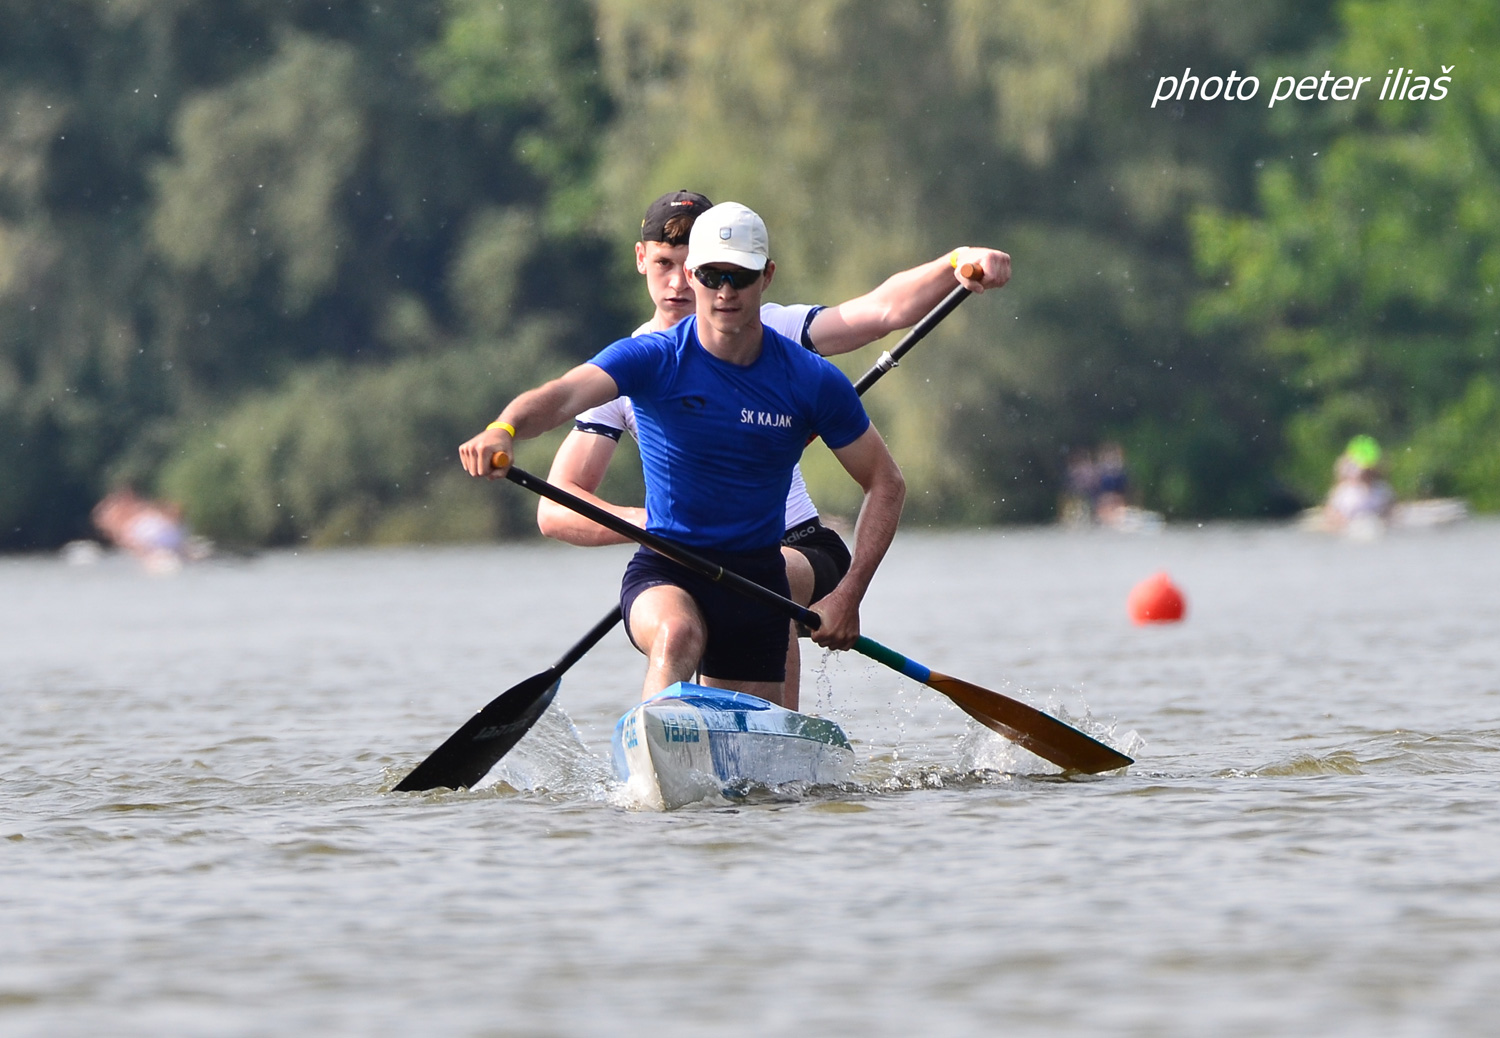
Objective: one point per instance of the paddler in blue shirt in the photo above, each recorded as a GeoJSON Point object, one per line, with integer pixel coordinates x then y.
{"type": "Point", "coordinates": [815, 555]}
{"type": "Point", "coordinates": [724, 407]}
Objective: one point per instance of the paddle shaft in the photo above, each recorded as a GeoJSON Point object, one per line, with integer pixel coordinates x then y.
{"type": "Point", "coordinates": [676, 552]}
{"type": "Point", "coordinates": [588, 641]}
{"type": "Point", "coordinates": [919, 331]}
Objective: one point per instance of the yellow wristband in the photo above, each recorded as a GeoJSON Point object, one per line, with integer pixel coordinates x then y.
{"type": "Point", "coordinates": [498, 424]}
{"type": "Point", "coordinates": [953, 260]}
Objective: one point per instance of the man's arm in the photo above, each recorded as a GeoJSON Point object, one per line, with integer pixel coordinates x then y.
{"type": "Point", "coordinates": [903, 299]}
{"type": "Point", "coordinates": [579, 468]}
{"type": "Point", "coordinates": [873, 468]}
{"type": "Point", "coordinates": [536, 411]}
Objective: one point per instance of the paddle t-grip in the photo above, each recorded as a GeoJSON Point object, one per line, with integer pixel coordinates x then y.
{"type": "Point", "coordinates": [499, 460]}
{"type": "Point", "coordinates": [972, 271]}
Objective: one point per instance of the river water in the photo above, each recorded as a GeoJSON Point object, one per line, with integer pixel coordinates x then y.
{"type": "Point", "coordinates": [197, 838]}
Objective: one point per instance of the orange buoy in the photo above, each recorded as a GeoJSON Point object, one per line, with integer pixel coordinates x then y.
{"type": "Point", "coordinates": [1155, 600]}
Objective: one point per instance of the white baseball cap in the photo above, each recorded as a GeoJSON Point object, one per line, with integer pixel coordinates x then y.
{"type": "Point", "coordinates": [728, 233]}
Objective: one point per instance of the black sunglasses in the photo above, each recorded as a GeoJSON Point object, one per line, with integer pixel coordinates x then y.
{"type": "Point", "coordinates": [739, 277]}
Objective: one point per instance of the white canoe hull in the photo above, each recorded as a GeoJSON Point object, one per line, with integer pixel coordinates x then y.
{"type": "Point", "coordinates": [689, 743]}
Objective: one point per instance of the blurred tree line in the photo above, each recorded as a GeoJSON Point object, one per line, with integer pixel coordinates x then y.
{"type": "Point", "coordinates": [277, 259]}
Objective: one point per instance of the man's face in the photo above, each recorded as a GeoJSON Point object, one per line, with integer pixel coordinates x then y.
{"type": "Point", "coordinates": [666, 281]}
{"type": "Point", "coordinates": [727, 308]}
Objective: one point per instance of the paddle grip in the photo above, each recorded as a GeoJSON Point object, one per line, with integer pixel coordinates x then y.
{"type": "Point", "coordinates": [499, 460]}
{"type": "Point", "coordinates": [972, 271]}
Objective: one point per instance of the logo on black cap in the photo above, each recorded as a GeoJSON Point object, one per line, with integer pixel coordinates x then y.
{"type": "Point", "coordinates": [672, 204]}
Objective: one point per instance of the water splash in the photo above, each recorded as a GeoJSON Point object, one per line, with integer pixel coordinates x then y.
{"type": "Point", "coordinates": [553, 759]}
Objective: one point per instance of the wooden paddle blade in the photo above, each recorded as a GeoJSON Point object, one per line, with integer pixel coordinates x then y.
{"type": "Point", "coordinates": [1042, 734]}
{"type": "Point", "coordinates": [469, 753]}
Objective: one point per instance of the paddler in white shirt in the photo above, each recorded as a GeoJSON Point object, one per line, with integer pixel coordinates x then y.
{"type": "Point", "coordinates": [816, 556]}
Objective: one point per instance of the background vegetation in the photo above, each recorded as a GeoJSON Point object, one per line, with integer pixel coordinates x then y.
{"type": "Point", "coordinates": [277, 259]}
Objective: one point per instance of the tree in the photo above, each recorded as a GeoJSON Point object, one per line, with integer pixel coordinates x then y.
{"type": "Point", "coordinates": [1368, 276]}
{"type": "Point", "coordinates": [875, 135]}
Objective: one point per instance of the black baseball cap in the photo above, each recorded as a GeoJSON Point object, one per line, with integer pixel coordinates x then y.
{"type": "Point", "coordinates": [654, 226]}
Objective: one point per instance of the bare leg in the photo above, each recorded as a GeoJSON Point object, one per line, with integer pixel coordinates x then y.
{"type": "Point", "coordinates": [666, 624]}
{"type": "Point", "coordinates": [799, 574]}
{"type": "Point", "coordinates": [666, 621]}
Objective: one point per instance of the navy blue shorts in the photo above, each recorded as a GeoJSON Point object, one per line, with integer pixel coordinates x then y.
{"type": "Point", "coordinates": [747, 639]}
{"type": "Point", "coordinates": [825, 552]}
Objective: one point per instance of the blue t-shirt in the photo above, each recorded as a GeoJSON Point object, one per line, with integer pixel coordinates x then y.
{"type": "Point", "coordinates": [718, 441]}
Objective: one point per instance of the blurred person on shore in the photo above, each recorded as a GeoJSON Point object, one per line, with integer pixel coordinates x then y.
{"type": "Point", "coordinates": [1111, 485]}
{"type": "Point", "coordinates": [1360, 493]}
{"type": "Point", "coordinates": [152, 531]}
{"type": "Point", "coordinates": [1077, 505]}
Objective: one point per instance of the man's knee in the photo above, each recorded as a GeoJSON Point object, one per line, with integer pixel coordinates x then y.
{"type": "Point", "coordinates": [664, 621]}
{"type": "Point", "coordinates": [799, 575]}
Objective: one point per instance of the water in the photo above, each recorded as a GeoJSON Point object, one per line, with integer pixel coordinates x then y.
{"type": "Point", "coordinates": [195, 836]}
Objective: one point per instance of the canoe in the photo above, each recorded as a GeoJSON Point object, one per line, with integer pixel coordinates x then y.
{"type": "Point", "coordinates": [1422, 514]}
{"type": "Point", "coordinates": [689, 743]}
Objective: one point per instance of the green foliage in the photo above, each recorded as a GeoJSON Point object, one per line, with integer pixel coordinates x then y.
{"type": "Point", "coordinates": [1369, 274]}
{"type": "Point", "coordinates": [260, 167]}
{"type": "Point", "coordinates": [1459, 452]}
{"type": "Point", "coordinates": [535, 59]}
{"type": "Point", "coordinates": [341, 455]}
{"type": "Point", "coordinates": [203, 207]}
{"type": "Point", "coordinates": [278, 259]}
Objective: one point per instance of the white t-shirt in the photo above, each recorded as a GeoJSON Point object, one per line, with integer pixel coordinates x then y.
{"type": "Point", "coordinates": [618, 415]}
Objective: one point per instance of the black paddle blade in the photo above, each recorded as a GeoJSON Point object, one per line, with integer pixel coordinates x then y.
{"type": "Point", "coordinates": [473, 750]}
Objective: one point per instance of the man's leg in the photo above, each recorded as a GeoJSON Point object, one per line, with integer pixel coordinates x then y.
{"type": "Point", "coordinates": [771, 691]}
{"type": "Point", "coordinates": [666, 625]}
{"type": "Point", "coordinates": [671, 625]}
{"type": "Point", "coordinates": [799, 575]}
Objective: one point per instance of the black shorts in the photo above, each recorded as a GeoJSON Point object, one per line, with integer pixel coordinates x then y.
{"type": "Point", "coordinates": [747, 640]}
{"type": "Point", "coordinates": [824, 550]}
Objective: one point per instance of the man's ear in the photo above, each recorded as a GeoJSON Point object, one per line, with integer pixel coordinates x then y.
{"type": "Point", "coordinates": [770, 269]}
{"type": "Point", "coordinates": [640, 256]}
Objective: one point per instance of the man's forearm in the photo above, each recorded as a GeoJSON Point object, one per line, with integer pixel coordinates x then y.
{"type": "Point", "coordinates": [905, 298]}
{"type": "Point", "coordinates": [564, 524]}
{"type": "Point", "coordinates": [533, 413]}
{"type": "Point", "coordinates": [879, 515]}
{"type": "Point", "coordinates": [540, 410]}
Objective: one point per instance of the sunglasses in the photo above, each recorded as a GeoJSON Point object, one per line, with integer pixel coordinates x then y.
{"type": "Point", "coordinates": [714, 278]}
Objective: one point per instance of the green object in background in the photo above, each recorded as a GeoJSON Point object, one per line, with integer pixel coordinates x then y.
{"type": "Point", "coordinates": [1364, 451]}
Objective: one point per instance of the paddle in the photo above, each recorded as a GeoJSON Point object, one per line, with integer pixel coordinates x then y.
{"type": "Point", "coordinates": [919, 330]}
{"type": "Point", "coordinates": [1042, 734]}
{"type": "Point", "coordinates": [469, 753]}
{"type": "Point", "coordinates": [474, 748]}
